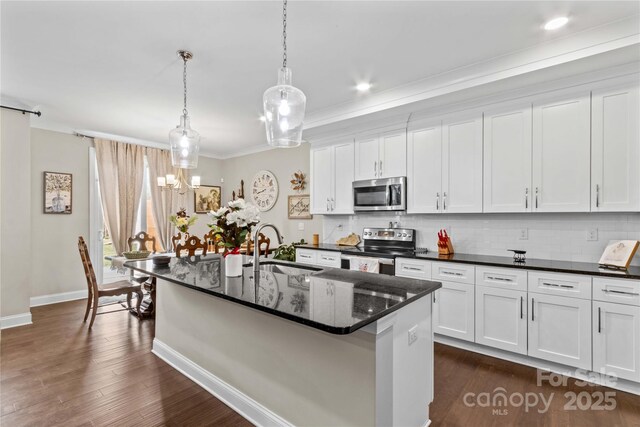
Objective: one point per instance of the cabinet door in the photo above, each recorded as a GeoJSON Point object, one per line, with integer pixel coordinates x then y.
{"type": "Point", "coordinates": [560, 329]}
{"type": "Point", "coordinates": [507, 160]}
{"type": "Point", "coordinates": [424, 170]}
{"type": "Point", "coordinates": [561, 155]}
{"type": "Point", "coordinates": [453, 313]}
{"type": "Point", "coordinates": [321, 179]}
{"type": "Point", "coordinates": [615, 180]}
{"type": "Point", "coordinates": [501, 319]}
{"type": "Point", "coordinates": [616, 340]}
{"type": "Point", "coordinates": [393, 154]}
{"type": "Point", "coordinates": [462, 165]}
{"type": "Point", "coordinates": [366, 158]}
{"type": "Point", "coordinates": [343, 178]}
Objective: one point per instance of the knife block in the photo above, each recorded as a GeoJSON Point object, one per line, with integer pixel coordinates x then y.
{"type": "Point", "coordinates": [445, 248]}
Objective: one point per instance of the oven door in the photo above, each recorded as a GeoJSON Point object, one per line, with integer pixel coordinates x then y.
{"type": "Point", "coordinates": [387, 265]}
{"type": "Point", "coordinates": [379, 194]}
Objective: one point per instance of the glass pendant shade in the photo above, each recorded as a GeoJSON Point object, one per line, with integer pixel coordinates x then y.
{"type": "Point", "coordinates": [284, 107]}
{"type": "Point", "coordinates": [185, 145]}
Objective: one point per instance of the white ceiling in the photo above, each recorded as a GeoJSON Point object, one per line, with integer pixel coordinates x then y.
{"type": "Point", "coordinates": [111, 67]}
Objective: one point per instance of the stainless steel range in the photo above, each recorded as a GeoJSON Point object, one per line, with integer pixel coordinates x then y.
{"type": "Point", "coordinates": [384, 244]}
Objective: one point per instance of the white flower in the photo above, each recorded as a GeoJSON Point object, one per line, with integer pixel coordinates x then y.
{"type": "Point", "coordinates": [215, 215]}
{"type": "Point", "coordinates": [237, 204]}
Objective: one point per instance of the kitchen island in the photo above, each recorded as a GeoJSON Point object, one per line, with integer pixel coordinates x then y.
{"type": "Point", "coordinates": [296, 345]}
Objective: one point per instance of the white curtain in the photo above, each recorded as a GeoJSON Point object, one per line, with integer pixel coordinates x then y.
{"type": "Point", "coordinates": [121, 173]}
{"type": "Point", "coordinates": [164, 203]}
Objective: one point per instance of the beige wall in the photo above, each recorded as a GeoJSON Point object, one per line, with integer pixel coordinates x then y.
{"type": "Point", "coordinates": [56, 263]}
{"type": "Point", "coordinates": [16, 262]}
{"type": "Point", "coordinates": [210, 171]}
{"type": "Point", "coordinates": [283, 163]}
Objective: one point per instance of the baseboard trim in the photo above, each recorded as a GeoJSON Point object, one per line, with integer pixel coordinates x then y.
{"type": "Point", "coordinates": [15, 320]}
{"type": "Point", "coordinates": [248, 408]}
{"type": "Point", "coordinates": [56, 298]}
{"type": "Point", "coordinates": [581, 374]}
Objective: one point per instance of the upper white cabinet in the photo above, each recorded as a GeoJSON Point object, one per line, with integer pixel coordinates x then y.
{"type": "Point", "coordinates": [462, 164]}
{"type": "Point", "coordinates": [331, 177]}
{"type": "Point", "coordinates": [615, 156]}
{"type": "Point", "coordinates": [507, 159]}
{"type": "Point", "coordinates": [561, 154]}
{"type": "Point", "coordinates": [424, 169]}
{"type": "Point", "coordinates": [381, 156]}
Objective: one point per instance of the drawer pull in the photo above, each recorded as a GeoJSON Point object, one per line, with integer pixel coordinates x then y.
{"type": "Point", "coordinates": [557, 285]}
{"type": "Point", "coordinates": [599, 320]}
{"type": "Point", "coordinates": [521, 307]}
{"type": "Point", "coordinates": [533, 318]}
{"type": "Point", "coordinates": [452, 273]}
{"type": "Point", "coordinates": [613, 291]}
{"type": "Point", "coordinates": [406, 267]}
{"type": "Point", "coordinates": [502, 279]}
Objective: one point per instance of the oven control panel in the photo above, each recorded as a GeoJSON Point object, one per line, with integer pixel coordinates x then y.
{"type": "Point", "coordinates": [397, 234]}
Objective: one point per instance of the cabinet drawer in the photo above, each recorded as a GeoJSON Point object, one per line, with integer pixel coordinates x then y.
{"type": "Point", "coordinates": [328, 258]}
{"type": "Point", "coordinates": [620, 291]}
{"type": "Point", "coordinates": [306, 256]}
{"type": "Point", "coordinates": [567, 285]}
{"type": "Point", "coordinates": [416, 269]}
{"type": "Point", "coordinates": [453, 272]}
{"type": "Point", "coordinates": [504, 278]}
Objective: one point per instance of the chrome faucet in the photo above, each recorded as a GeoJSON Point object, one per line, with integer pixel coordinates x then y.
{"type": "Point", "coordinates": [256, 248]}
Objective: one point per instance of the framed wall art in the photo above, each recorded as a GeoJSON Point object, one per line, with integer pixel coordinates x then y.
{"type": "Point", "coordinates": [206, 198]}
{"type": "Point", "coordinates": [57, 188]}
{"type": "Point", "coordinates": [299, 206]}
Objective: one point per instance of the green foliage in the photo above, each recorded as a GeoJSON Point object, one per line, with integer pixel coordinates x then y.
{"type": "Point", "coordinates": [287, 252]}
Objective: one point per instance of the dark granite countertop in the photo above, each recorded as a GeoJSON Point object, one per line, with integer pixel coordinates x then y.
{"type": "Point", "coordinates": [592, 269]}
{"type": "Point", "coordinates": [330, 299]}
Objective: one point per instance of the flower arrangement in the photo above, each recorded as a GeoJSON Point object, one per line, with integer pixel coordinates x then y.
{"type": "Point", "coordinates": [182, 221]}
{"type": "Point", "coordinates": [233, 222]}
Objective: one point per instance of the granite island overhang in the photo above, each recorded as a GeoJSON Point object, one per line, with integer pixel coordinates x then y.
{"type": "Point", "coordinates": [297, 345]}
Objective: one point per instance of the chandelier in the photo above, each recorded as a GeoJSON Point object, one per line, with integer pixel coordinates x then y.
{"type": "Point", "coordinates": [185, 142]}
{"type": "Point", "coordinates": [178, 182]}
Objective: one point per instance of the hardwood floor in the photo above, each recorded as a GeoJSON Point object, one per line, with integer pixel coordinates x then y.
{"type": "Point", "coordinates": [55, 372]}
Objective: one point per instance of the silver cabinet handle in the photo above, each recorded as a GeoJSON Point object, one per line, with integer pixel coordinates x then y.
{"type": "Point", "coordinates": [452, 273]}
{"type": "Point", "coordinates": [375, 168]}
{"type": "Point", "coordinates": [444, 201]}
{"type": "Point", "coordinates": [434, 296]}
{"type": "Point", "coordinates": [599, 320]}
{"type": "Point", "coordinates": [502, 279]}
{"type": "Point", "coordinates": [380, 168]}
{"type": "Point", "coordinates": [532, 310]}
{"type": "Point", "coordinates": [526, 198]}
{"type": "Point", "coordinates": [613, 291]}
{"type": "Point", "coordinates": [406, 267]}
{"type": "Point", "coordinates": [332, 204]}
{"type": "Point", "coordinates": [537, 197]}
{"type": "Point", "coordinates": [597, 196]}
{"type": "Point", "coordinates": [437, 201]}
{"type": "Point", "coordinates": [327, 204]}
{"type": "Point", "coordinates": [522, 307]}
{"type": "Point", "coordinates": [557, 285]}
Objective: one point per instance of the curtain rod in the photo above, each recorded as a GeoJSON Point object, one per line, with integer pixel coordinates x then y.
{"type": "Point", "coordinates": [37, 113]}
{"type": "Point", "coordinates": [80, 135]}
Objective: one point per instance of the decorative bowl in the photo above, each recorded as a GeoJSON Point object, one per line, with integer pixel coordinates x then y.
{"type": "Point", "coordinates": [136, 254]}
{"type": "Point", "coordinates": [161, 260]}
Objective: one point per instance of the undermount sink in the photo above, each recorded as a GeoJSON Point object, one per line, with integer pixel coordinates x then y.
{"type": "Point", "coordinates": [288, 269]}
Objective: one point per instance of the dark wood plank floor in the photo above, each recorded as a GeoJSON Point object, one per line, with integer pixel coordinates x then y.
{"type": "Point", "coordinates": [56, 373]}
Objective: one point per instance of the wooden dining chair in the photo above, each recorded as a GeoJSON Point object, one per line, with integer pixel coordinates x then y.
{"type": "Point", "coordinates": [96, 291]}
{"type": "Point", "coordinates": [263, 245]}
{"type": "Point", "coordinates": [214, 241]}
{"type": "Point", "coordinates": [143, 239]}
{"type": "Point", "coordinates": [175, 240]}
{"type": "Point", "coordinates": [192, 244]}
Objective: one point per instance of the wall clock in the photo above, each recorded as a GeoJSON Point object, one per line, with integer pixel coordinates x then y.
{"type": "Point", "coordinates": [264, 190]}
{"type": "Point", "coordinates": [268, 293]}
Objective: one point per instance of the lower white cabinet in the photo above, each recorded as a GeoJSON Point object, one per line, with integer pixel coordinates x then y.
{"type": "Point", "coordinates": [616, 340]}
{"type": "Point", "coordinates": [560, 329]}
{"type": "Point", "coordinates": [332, 302]}
{"type": "Point", "coordinates": [501, 318]}
{"type": "Point", "coordinates": [453, 311]}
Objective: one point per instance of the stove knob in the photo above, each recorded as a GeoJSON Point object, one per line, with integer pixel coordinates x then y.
{"type": "Point", "coordinates": [398, 235]}
{"type": "Point", "coordinates": [404, 234]}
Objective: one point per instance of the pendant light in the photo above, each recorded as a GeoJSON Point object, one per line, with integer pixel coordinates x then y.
{"type": "Point", "coordinates": [185, 142]}
{"type": "Point", "coordinates": [284, 104]}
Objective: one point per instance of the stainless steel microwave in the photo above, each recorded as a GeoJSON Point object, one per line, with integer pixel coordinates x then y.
{"type": "Point", "coordinates": [387, 194]}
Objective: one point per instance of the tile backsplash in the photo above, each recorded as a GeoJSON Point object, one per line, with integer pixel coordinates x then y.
{"type": "Point", "coordinates": [561, 236]}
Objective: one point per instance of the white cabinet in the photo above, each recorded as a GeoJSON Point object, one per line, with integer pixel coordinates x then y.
{"type": "Point", "coordinates": [318, 257]}
{"type": "Point", "coordinates": [331, 302]}
{"type": "Point", "coordinates": [332, 169]}
{"type": "Point", "coordinates": [507, 159]}
{"type": "Point", "coordinates": [413, 268]}
{"type": "Point", "coordinates": [453, 311]}
{"type": "Point", "coordinates": [616, 340]}
{"type": "Point", "coordinates": [462, 164]}
{"type": "Point", "coordinates": [560, 329]}
{"type": "Point", "coordinates": [424, 168]}
{"type": "Point", "coordinates": [561, 154]}
{"type": "Point", "coordinates": [381, 156]}
{"type": "Point", "coordinates": [615, 156]}
{"type": "Point", "coordinates": [501, 318]}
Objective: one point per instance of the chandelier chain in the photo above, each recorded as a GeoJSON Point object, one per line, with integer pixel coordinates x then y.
{"type": "Point", "coordinates": [284, 33]}
{"type": "Point", "coordinates": [184, 81]}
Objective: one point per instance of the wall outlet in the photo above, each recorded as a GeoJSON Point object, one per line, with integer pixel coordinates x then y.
{"type": "Point", "coordinates": [413, 334]}
{"type": "Point", "coordinates": [339, 226]}
{"type": "Point", "coordinates": [592, 234]}
{"type": "Point", "coordinates": [301, 226]}
{"type": "Point", "coordinates": [523, 234]}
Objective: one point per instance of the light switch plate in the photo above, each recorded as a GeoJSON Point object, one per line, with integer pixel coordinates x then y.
{"type": "Point", "coordinates": [592, 234]}
{"type": "Point", "coordinates": [523, 234]}
{"type": "Point", "coordinates": [301, 226]}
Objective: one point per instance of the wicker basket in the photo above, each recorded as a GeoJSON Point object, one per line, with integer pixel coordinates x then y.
{"type": "Point", "coordinates": [136, 254]}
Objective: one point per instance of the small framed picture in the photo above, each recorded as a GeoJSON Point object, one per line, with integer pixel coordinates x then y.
{"type": "Point", "coordinates": [300, 206]}
{"type": "Point", "coordinates": [57, 188]}
{"type": "Point", "coordinates": [206, 198]}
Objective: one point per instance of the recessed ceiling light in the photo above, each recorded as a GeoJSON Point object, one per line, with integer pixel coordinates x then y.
{"type": "Point", "coordinates": [363, 87]}
{"type": "Point", "coordinates": [556, 23]}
